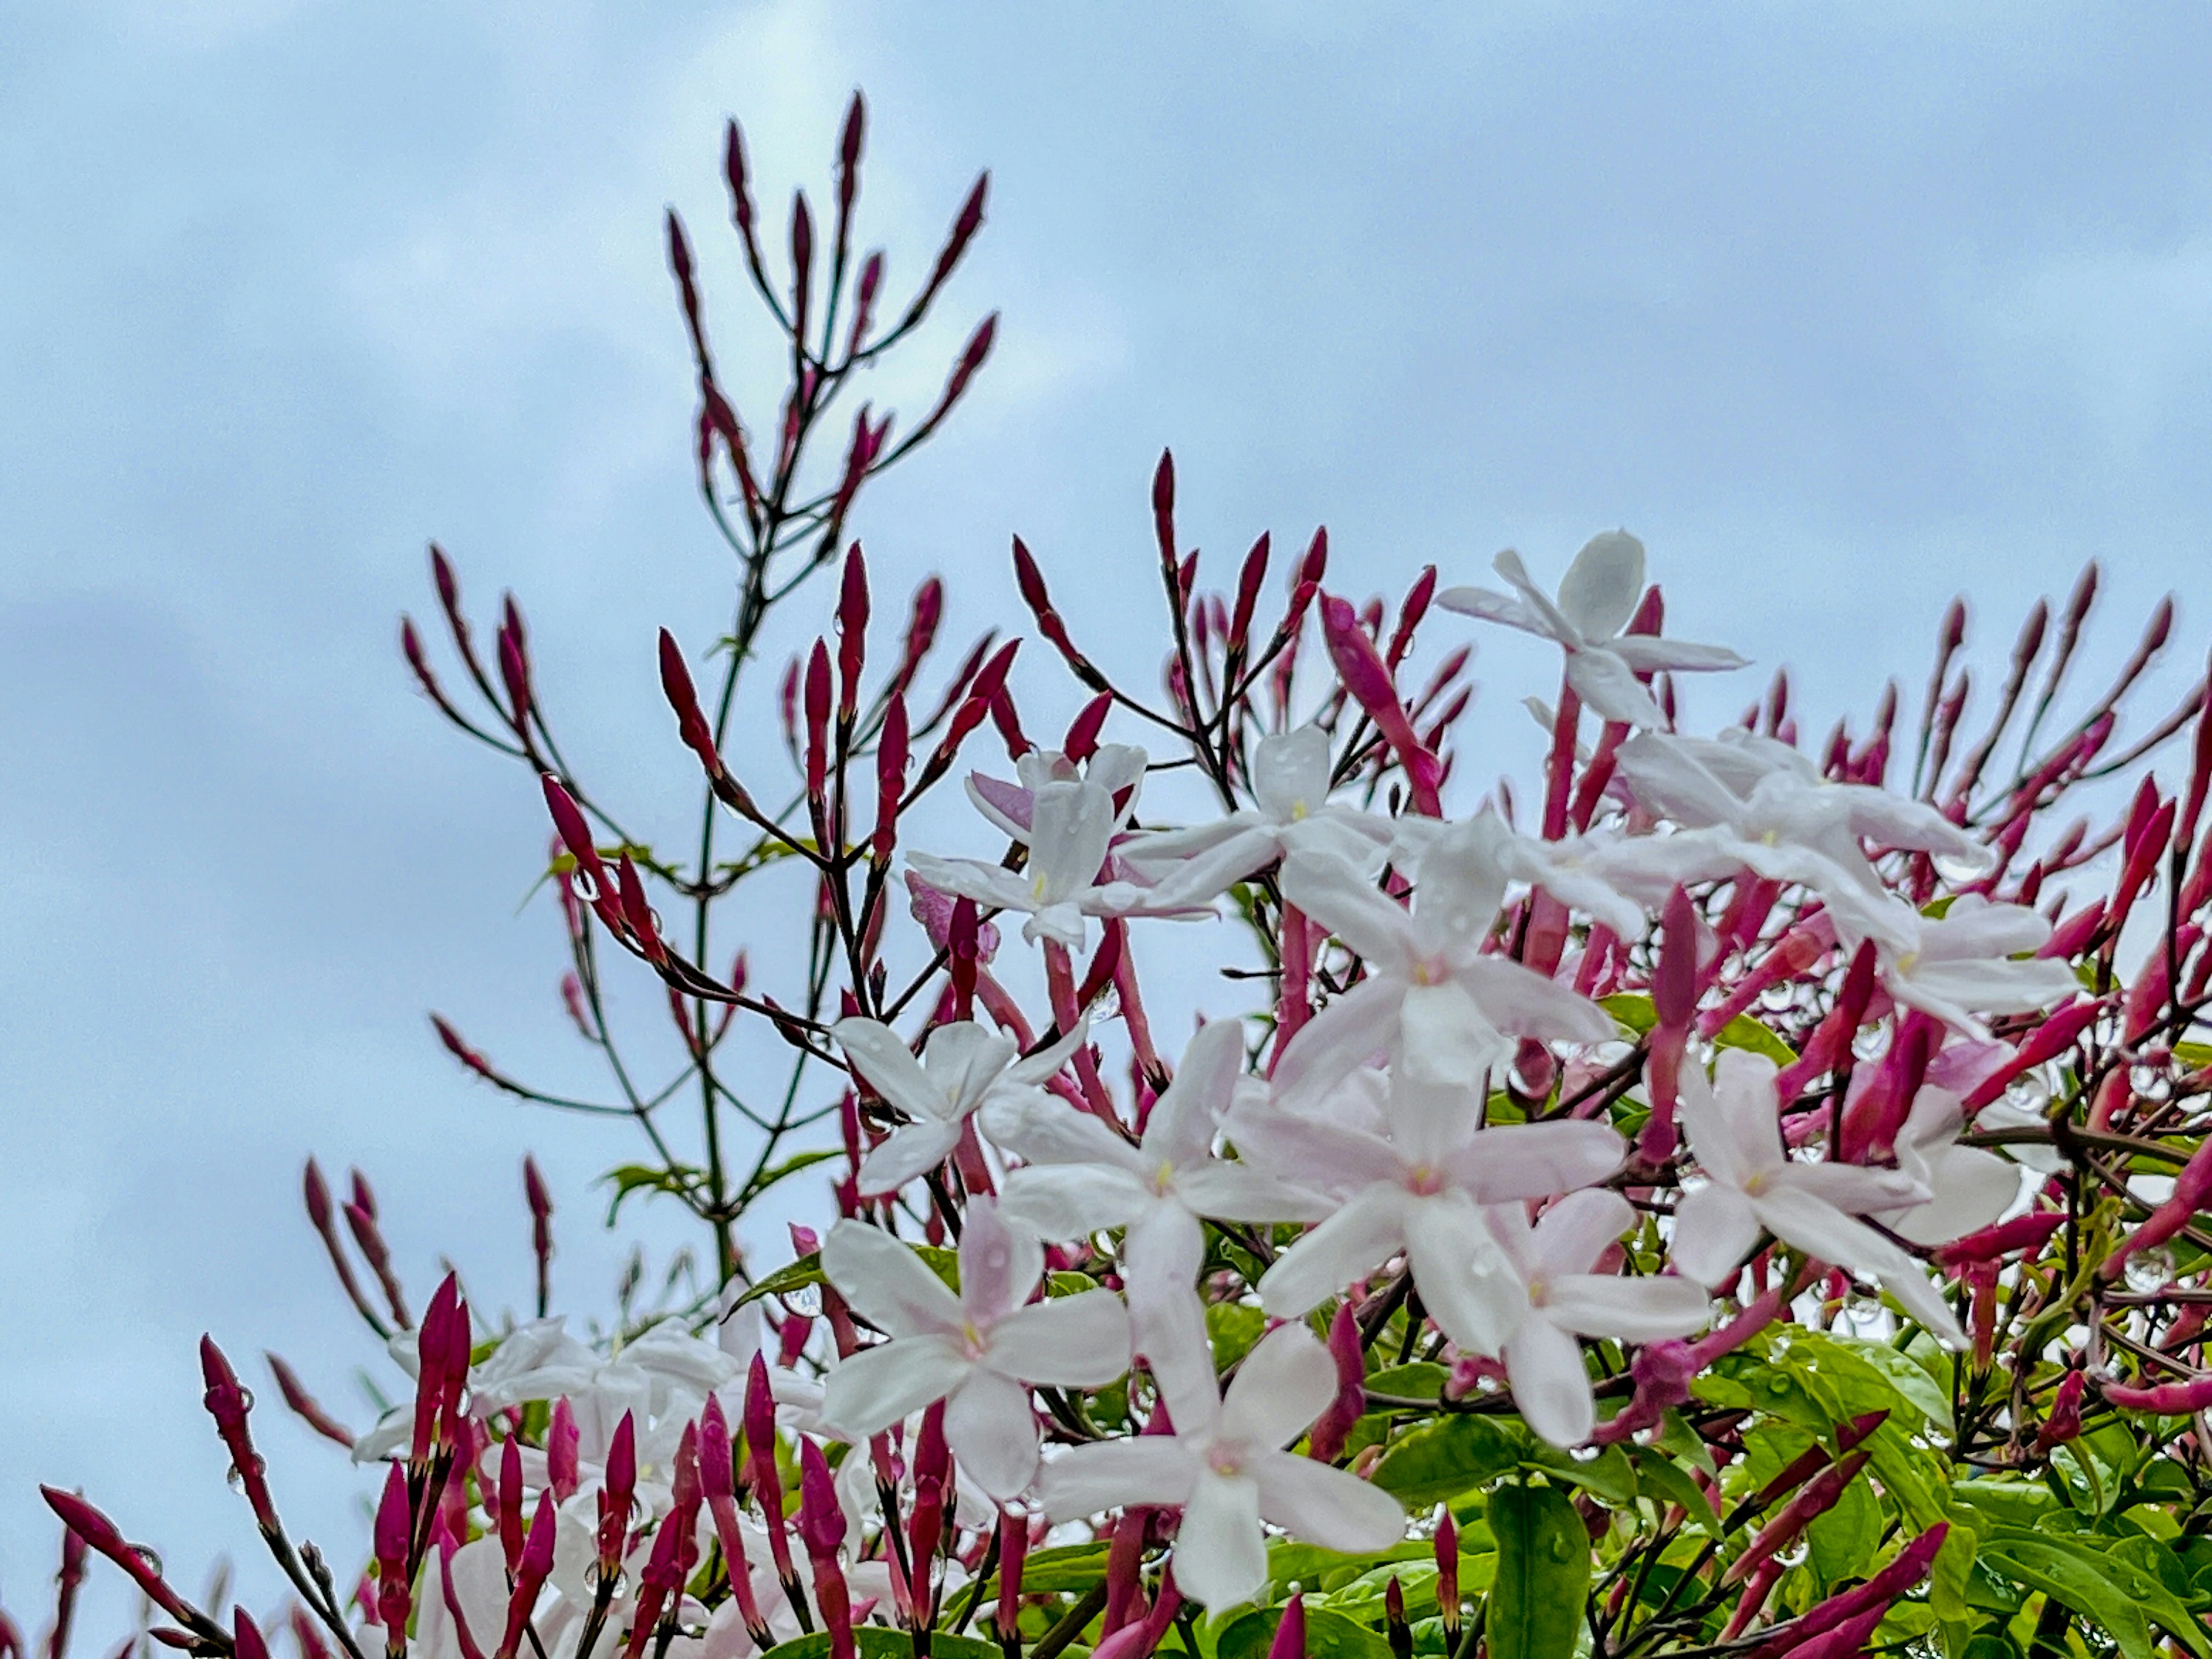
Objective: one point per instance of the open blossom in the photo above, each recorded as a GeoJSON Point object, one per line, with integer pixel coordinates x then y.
{"type": "Point", "coordinates": [1754, 802]}
{"type": "Point", "coordinates": [1597, 597]}
{"type": "Point", "coordinates": [1584, 872]}
{"type": "Point", "coordinates": [1224, 1465]}
{"type": "Point", "coordinates": [979, 1352]}
{"type": "Point", "coordinates": [1751, 1184]}
{"type": "Point", "coordinates": [1444, 1010]}
{"type": "Point", "coordinates": [1422, 1190]}
{"type": "Point", "coordinates": [1081, 1177]}
{"type": "Point", "coordinates": [1291, 784]}
{"type": "Point", "coordinates": [1564, 1299]}
{"type": "Point", "coordinates": [1116, 767]}
{"type": "Point", "coordinates": [1967, 1188]}
{"type": "Point", "coordinates": [963, 1067]}
{"type": "Point", "coordinates": [1973, 960]}
{"type": "Point", "coordinates": [1072, 825]}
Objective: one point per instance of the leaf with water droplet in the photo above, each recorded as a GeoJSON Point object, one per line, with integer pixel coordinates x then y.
{"type": "Point", "coordinates": [1543, 1573]}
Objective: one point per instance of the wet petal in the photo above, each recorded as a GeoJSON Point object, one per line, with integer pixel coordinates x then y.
{"type": "Point", "coordinates": [1352, 1243]}
{"type": "Point", "coordinates": [1715, 1228]}
{"type": "Point", "coordinates": [1285, 1381]}
{"type": "Point", "coordinates": [1220, 1553]}
{"type": "Point", "coordinates": [877, 1387]}
{"type": "Point", "coordinates": [1600, 592]}
{"type": "Point", "coordinates": [1155, 1470]}
{"type": "Point", "coordinates": [886, 1282]}
{"type": "Point", "coordinates": [1001, 1262]}
{"type": "Point", "coordinates": [1551, 1388]}
{"type": "Point", "coordinates": [1333, 1508]}
{"type": "Point", "coordinates": [991, 1428]}
{"type": "Point", "coordinates": [1071, 1341]}
{"type": "Point", "coordinates": [1634, 1309]}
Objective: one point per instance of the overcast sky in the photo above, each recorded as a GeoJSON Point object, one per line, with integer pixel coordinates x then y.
{"type": "Point", "coordinates": [1843, 309]}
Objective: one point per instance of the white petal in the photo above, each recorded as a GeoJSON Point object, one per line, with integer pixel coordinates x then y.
{"type": "Point", "coordinates": [1040, 1067]}
{"type": "Point", "coordinates": [1001, 1262]}
{"type": "Point", "coordinates": [1333, 1508]}
{"type": "Point", "coordinates": [1350, 906]}
{"type": "Point", "coordinates": [1285, 1381]}
{"type": "Point", "coordinates": [1289, 773]}
{"type": "Point", "coordinates": [1850, 1188]}
{"type": "Point", "coordinates": [1446, 1041]}
{"type": "Point", "coordinates": [1648, 654]}
{"type": "Point", "coordinates": [1462, 885]}
{"type": "Point", "coordinates": [1521, 1001]}
{"type": "Point", "coordinates": [1043, 1129]}
{"type": "Point", "coordinates": [1920, 1295]}
{"type": "Point", "coordinates": [991, 1428]}
{"type": "Point", "coordinates": [1170, 1333]}
{"type": "Point", "coordinates": [1715, 1227]}
{"type": "Point", "coordinates": [1823, 1231]}
{"type": "Point", "coordinates": [1205, 877]}
{"type": "Point", "coordinates": [988, 884]}
{"type": "Point", "coordinates": [1551, 1388]}
{"type": "Point", "coordinates": [1352, 1243]}
{"type": "Point", "coordinates": [1535, 1160]}
{"type": "Point", "coordinates": [1162, 1251]}
{"type": "Point", "coordinates": [1508, 564]}
{"type": "Point", "coordinates": [1072, 1200]}
{"type": "Point", "coordinates": [1238, 1191]}
{"type": "Point", "coordinates": [1971, 1188]}
{"type": "Point", "coordinates": [1743, 1088]}
{"type": "Point", "coordinates": [1155, 1470]}
{"type": "Point", "coordinates": [1488, 606]}
{"type": "Point", "coordinates": [1466, 1283]}
{"type": "Point", "coordinates": [1220, 1553]}
{"type": "Point", "coordinates": [1632, 1310]}
{"type": "Point", "coordinates": [1078, 1341]}
{"type": "Point", "coordinates": [887, 1283]}
{"type": "Point", "coordinates": [1667, 776]}
{"type": "Point", "coordinates": [1354, 1029]}
{"type": "Point", "coordinates": [1067, 844]}
{"type": "Point", "coordinates": [1605, 682]}
{"type": "Point", "coordinates": [1571, 1234]}
{"type": "Point", "coordinates": [877, 1387]}
{"type": "Point", "coordinates": [1600, 591]}
{"type": "Point", "coordinates": [911, 1152]}
{"type": "Point", "coordinates": [880, 1056]}
{"type": "Point", "coordinates": [962, 1060]}
{"type": "Point", "coordinates": [1181, 1129]}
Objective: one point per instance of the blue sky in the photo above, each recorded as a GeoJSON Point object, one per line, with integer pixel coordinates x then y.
{"type": "Point", "coordinates": [1843, 310]}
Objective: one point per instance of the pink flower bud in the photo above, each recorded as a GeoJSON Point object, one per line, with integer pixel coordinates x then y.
{"type": "Point", "coordinates": [1082, 740]}
{"type": "Point", "coordinates": [1289, 1641]}
{"type": "Point", "coordinates": [247, 1640]}
{"type": "Point", "coordinates": [533, 1568]}
{"type": "Point", "coordinates": [1325, 1442]}
{"type": "Point", "coordinates": [802, 264]}
{"type": "Point", "coordinates": [891, 756]}
{"type": "Point", "coordinates": [818, 722]}
{"type": "Point", "coordinates": [2023, 1232]}
{"type": "Point", "coordinates": [1367, 680]}
{"type": "Point", "coordinates": [393, 1543]}
{"type": "Point", "coordinates": [99, 1534]}
{"type": "Point", "coordinates": [616, 1496]}
{"type": "Point", "coordinates": [563, 1441]}
{"type": "Point", "coordinates": [305, 1406]}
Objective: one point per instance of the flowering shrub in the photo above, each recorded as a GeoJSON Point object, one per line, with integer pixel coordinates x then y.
{"type": "Point", "coordinates": [1731, 1197]}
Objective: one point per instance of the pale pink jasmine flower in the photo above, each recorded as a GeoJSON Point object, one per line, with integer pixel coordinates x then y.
{"type": "Point", "coordinates": [1752, 1185]}
{"type": "Point", "coordinates": [1597, 597]}
{"type": "Point", "coordinates": [1421, 1190]}
{"type": "Point", "coordinates": [1226, 1468]}
{"type": "Point", "coordinates": [1291, 785]}
{"type": "Point", "coordinates": [1968, 1188]}
{"type": "Point", "coordinates": [979, 1350]}
{"type": "Point", "coordinates": [1566, 1300]}
{"type": "Point", "coordinates": [963, 1067]}
{"type": "Point", "coordinates": [1444, 1010]}
{"type": "Point", "coordinates": [1976, 959]}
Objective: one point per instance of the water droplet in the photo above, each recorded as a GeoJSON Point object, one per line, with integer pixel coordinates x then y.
{"type": "Point", "coordinates": [1795, 1555]}
{"type": "Point", "coordinates": [1777, 1386]}
{"type": "Point", "coordinates": [245, 1397]}
{"type": "Point", "coordinates": [2149, 1270]}
{"type": "Point", "coordinates": [1562, 1549]}
{"type": "Point", "coordinates": [1584, 1454]}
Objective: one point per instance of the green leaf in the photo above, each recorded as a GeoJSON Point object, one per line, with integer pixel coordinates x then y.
{"type": "Point", "coordinates": [2099, 1584]}
{"type": "Point", "coordinates": [806, 1271]}
{"type": "Point", "coordinates": [1543, 1574]}
{"type": "Point", "coordinates": [1071, 1567]}
{"type": "Point", "coordinates": [790, 1166]}
{"type": "Point", "coordinates": [1442, 1459]}
{"type": "Point", "coordinates": [680, 1181]}
{"type": "Point", "coordinates": [1234, 1328]}
{"type": "Point", "coordinates": [1841, 1539]}
{"type": "Point", "coordinates": [1609, 1475]}
{"type": "Point", "coordinates": [1421, 1380]}
{"type": "Point", "coordinates": [1660, 1476]}
{"type": "Point", "coordinates": [875, 1642]}
{"type": "Point", "coordinates": [1329, 1636]}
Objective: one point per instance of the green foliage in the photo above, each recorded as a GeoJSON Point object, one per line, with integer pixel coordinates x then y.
{"type": "Point", "coordinates": [1543, 1573]}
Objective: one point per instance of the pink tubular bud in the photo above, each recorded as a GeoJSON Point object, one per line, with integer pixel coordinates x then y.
{"type": "Point", "coordinates": [1289, 1641]}
{"type": "Point", "coordinates": [507, 1510]}
{"type": "Point", "coordinates": [394, 1595]}
{"type": "Point", "coordinates": [1082, 740]}
{"type": "Point", "coordinates": [1409, 617]}
{"type": "Point", "coordinates": [1252, 572]}
{"type": "Point", "coordinates": [1325, 1443]}
{"type": "Point", "coordinates": [101, 1535]}
{"type": "Point", "coordinates": [848, 155]}
{"type": "Point", "coordinates": [226, 1402]}
{"type": "Point", "coordinates": [304, 1405]}
{"type": "Point", "coordinates": [760, 1459]}
{"type": "Point", "coordinates": [802, 265]}
{"type": "Point", "coordinates": [684, 697]}
{"type": "Point", "coordinates": [852, 632]}
{"type": "Point", "coordinates": [2192, 1189]}
{"type": "Point", "coordinates": [2062, 1422]}
{"type": "Point", "coordinates": [818, 722]}
{"type": "Point", "coordinates": [864, 302]}
{"type": "Point", "coordinates": [564, 1442]}
{"type": "Point", "coordinates": [1013, 1547]}
{"type": "Point", "coordinates": [533, 1567]}
{"type": "Point", "coordinates": [687, 289]}
{"type": "Point", "coordinates": [616, 1496]}
{"type": "Point", "coordinates": [1447, 1544]}
{"type": "Point", "coordinates": [890, 778]}
{"type": "Point", "coordinates": [718, 1482]}
{"type": "Point", "coordinates": [821, 1525]}
{"type": "Point", "coordinates": [2023, 1232]}
{"type": "Point", "coordinates": [964, 227]}
{"type": "Point", "coordinates": [733, 170]}
{"type": "Point", "coordinates": [920, 629]}
{"type": "Point", "coordinates": [1817, 1496]}
{"type": "Point", "coordinates": [247, 1641]}
{"type": "Point", "coordinates": [1369, 681]}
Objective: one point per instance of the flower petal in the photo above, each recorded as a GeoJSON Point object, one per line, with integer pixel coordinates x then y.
{"type": "Point", "coordinates": [1634, 1309]}
{"type": "Point", "coordinates": [1001, 1262]}
{"type": "Point", "coordinates": [1715, 1228]}
{"type": "Point", "coordinates": [1068, 838]}
{"type": "Point", "coordinates": [1350, 906]}
{"type": "Point", "coordinates": [1466, 1282]}
{"type": "Point", "coordinates": [1521, 1001]}
{"type": "Point", "coordinates": [1333, 1508]}
{"type": "Point", "coordinates": [1220, 1553]}
{"type": "Point", "coordinates": [1237, 1192]}
{"type": "Point", "coordinates": [988, 884]}
{"type": "Point", "coordinates": [1077, 1341]}
{"type": "Point", "coordinates": [1551, 1387]}
{"type": "Point", "coordinates": [1182, 1127]}
{"type": "Point", "coordinates": [1352, 1243]}
{"type": "Point", "coordinates": [991, 1427]}
{"type": "Point", "coordinates": [1070, 1200]}
{"type": "Point", "coordinates": [1354, 1029]}
{"type": "Point", "coordinates": [880, 1056]}
{"type": "Point", "coordinates": [1153, 1470]}
{"type": "Point", "coordinates": [1600, 591]}
{"type": "Point", "coordinates": [1286, 1380]}
{"type": "Point", "coordinates": [1604, 681]}
{"type": "Point", "coordinates": [877, 1387]}
{"type": "Point", "coordinates": [1571, 1234]}
{"type": "Point", "coordinates": [914, 1151]}
{"type": "Point", "coordinates": [1487, 604]}
{"type": "Point", "coordinates": [886, 1282]}
{"type": "Point", "coordinates": [1508, 564]}
{"type": "Point", "coordinates": [1289, 773]}
{"type": "Point", "coordinates": [1535, 1160]}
